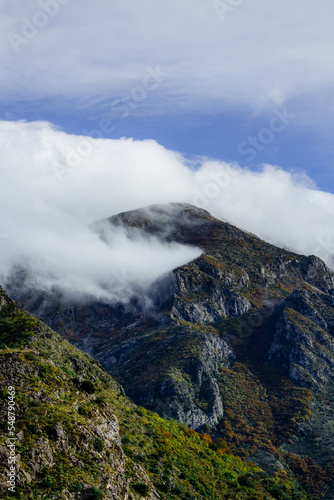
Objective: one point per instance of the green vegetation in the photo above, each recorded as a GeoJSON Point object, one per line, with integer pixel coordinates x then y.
{"type": "Point", "coordinates": [141, 488]}
{"type": "Point", "coordinates": [96, 494]}
{"type": "Point", "coordinates": [88, 386]}
{"type": "Point", "coordinates": [180, 463]}
{"type": "Point", "coordinates": [99, 444]}
{"type": "Point", "coordinates": [16, 330]}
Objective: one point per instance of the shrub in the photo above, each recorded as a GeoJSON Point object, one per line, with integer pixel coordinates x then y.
{"type": "Point", "coordinates": [84, 410]}
{"type": "Point", "coordinates": [141, 488]}
{"type": "Point", "coordinates": [95, 494]}
{"type": "Point", "coordinates": [17, 329]}
{"type": "Point", "coordinates": [276, 490]}
{"type": "Point", "coordinates": [100, 401]}
{"type": "Point", "coordinates": [126, 440]}
{"type": "Point", "coordinates": [206, 437]}
{"type": "Point", "coordinates": [99, 444]}
{"type": "Point", "coordinates": [246, 481]}
{"type": "Point", "coordinates": [88, 386]}
{"type": "Point", "coordinates": [31, 356]}
{"type": "Point", "coordinates": [47, 482]}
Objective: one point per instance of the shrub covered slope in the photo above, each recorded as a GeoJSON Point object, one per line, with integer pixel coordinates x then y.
{"type": "Point", "coordinates": [79, 437]}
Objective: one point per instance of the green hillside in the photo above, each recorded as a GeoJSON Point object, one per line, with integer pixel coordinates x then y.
{"type": "Point", "coordinates": [79, 437]}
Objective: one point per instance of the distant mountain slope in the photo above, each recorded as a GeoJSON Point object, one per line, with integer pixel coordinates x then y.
{"type": "Point", "coordinates": [241, 340]}
{"type": "Point", "coordinates": [78, 437]}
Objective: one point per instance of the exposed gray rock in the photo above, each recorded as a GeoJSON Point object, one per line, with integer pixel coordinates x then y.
{"type": "Point", "coordinates": [108, 430]}
{"type": "Point", "coordinates": [303, 341]}
{"type": "Point", "coordinates": [23, 478]}
{"type": "Point", "coordinates": [200, 294]}
{"type": "Point", "coordinates": [318, 274]}
{"type": "Point", "coordinates": [39, 457]}
{"type": "Point", "coordinates": [60, 437]}
{"type": "Point", "coordinates": [2, 302]}
{"type": "Point", "coordinates": [189, 392]}
{"type": "Point", "coordinates": [13, 366]}
{"type": "Point", "coordinates": [209, 310]}
{"type": "Point", "coordinates": [266, 461]}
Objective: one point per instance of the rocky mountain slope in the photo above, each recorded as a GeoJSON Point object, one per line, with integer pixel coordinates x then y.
{"type": "Point", "coordinates": [78, 437]}
{"type": "Point", "coordinates": [238, 342]}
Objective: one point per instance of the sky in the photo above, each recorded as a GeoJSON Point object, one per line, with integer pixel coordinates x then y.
{"type": "Point", "coordinates": [109, 106]}
{"type": "Point", "coordinates": [202, 77]}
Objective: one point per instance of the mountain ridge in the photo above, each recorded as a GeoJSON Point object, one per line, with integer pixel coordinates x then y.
{"type": "Point", "coordinates": [245, 315]}
{"type": "Point", "coordinates": [78, 437]}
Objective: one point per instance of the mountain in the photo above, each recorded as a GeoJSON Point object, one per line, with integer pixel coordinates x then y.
{"type": "Point", "coordinates": [238, 343]}
{"type": "Point", "coordinates": [77, 436]}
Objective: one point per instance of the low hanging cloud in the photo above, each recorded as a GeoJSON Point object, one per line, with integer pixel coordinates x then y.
{"type": "Point", "coordinates": [54, 186]}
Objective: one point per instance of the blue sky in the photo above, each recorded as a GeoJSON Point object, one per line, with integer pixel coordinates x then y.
{"type": "Point", "coordinates": [297, 148]}
{"type": "Point", "coordinates": [203, 77]}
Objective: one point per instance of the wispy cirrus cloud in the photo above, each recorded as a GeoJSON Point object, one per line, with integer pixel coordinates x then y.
{"type": "Point", "coordinates": [263, 53]}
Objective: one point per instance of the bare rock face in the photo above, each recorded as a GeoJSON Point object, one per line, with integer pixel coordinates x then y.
{"type": "Point", "coordinates": [318, 274]}
{"type": "Point", "coordinates": [211, 299]}
{"type": "Point", "coordinates": [108, 430]}
{"type": "Point", "coordinates": [38, 457]}
{"type": "Point", "coordinates": [303, 341]}
{"type": "Point", "coordinates": [189, 392]}
{"type": "Point", "coordinates": [202, 312]}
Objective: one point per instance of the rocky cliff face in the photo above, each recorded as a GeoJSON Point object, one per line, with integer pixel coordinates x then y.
{"type": "Point", "coordinates": [186, 387]}
{"type": "Point", "coordinates": [212, 299]}
{"type": "Point", "coordinates": [317, 273]}
{"type": "Point", "coordinates": [303, 342]}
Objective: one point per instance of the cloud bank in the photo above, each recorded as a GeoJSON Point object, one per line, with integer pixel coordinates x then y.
{"type": "Point", "coordinates": [55, 185]}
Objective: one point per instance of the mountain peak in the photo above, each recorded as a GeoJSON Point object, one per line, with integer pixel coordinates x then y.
{"type": "Point", "coordinates": [168, 209]}
{"type": "Point", "coordinates": [178, 222]}
{"type": "Point", "coordinates": [236, 339]}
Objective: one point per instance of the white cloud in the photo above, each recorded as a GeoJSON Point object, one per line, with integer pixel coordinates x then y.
{"type": "Point", "coordinates": [47, 204]}
{"type": "Point", "coordinates": [46, 221]}
{"type": "Point", "coordinates": [263, 52]}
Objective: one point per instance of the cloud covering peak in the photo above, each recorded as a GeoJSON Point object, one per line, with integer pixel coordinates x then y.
{"type": "Point", "coordinates": [55, 185]}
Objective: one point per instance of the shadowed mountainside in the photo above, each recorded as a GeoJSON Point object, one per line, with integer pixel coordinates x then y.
{"type": "Point", "coordinates": [238, 342]}
{"type": "Point", "coordinates": [78, 437]}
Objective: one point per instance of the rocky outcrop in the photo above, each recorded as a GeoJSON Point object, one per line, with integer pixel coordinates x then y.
{"type": "Point", "coordinates": [318, 274]}
{"type": "Point", "coordinates": [303, 341]}
{"type": "Point", "coordinates": [200, 293]}
{"type": "Point", "coordinates": [206, 311]}
{"type": "Point", "coordinates": [188, 390]}
{"type": "Point", "coordinates": [199, 298]}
